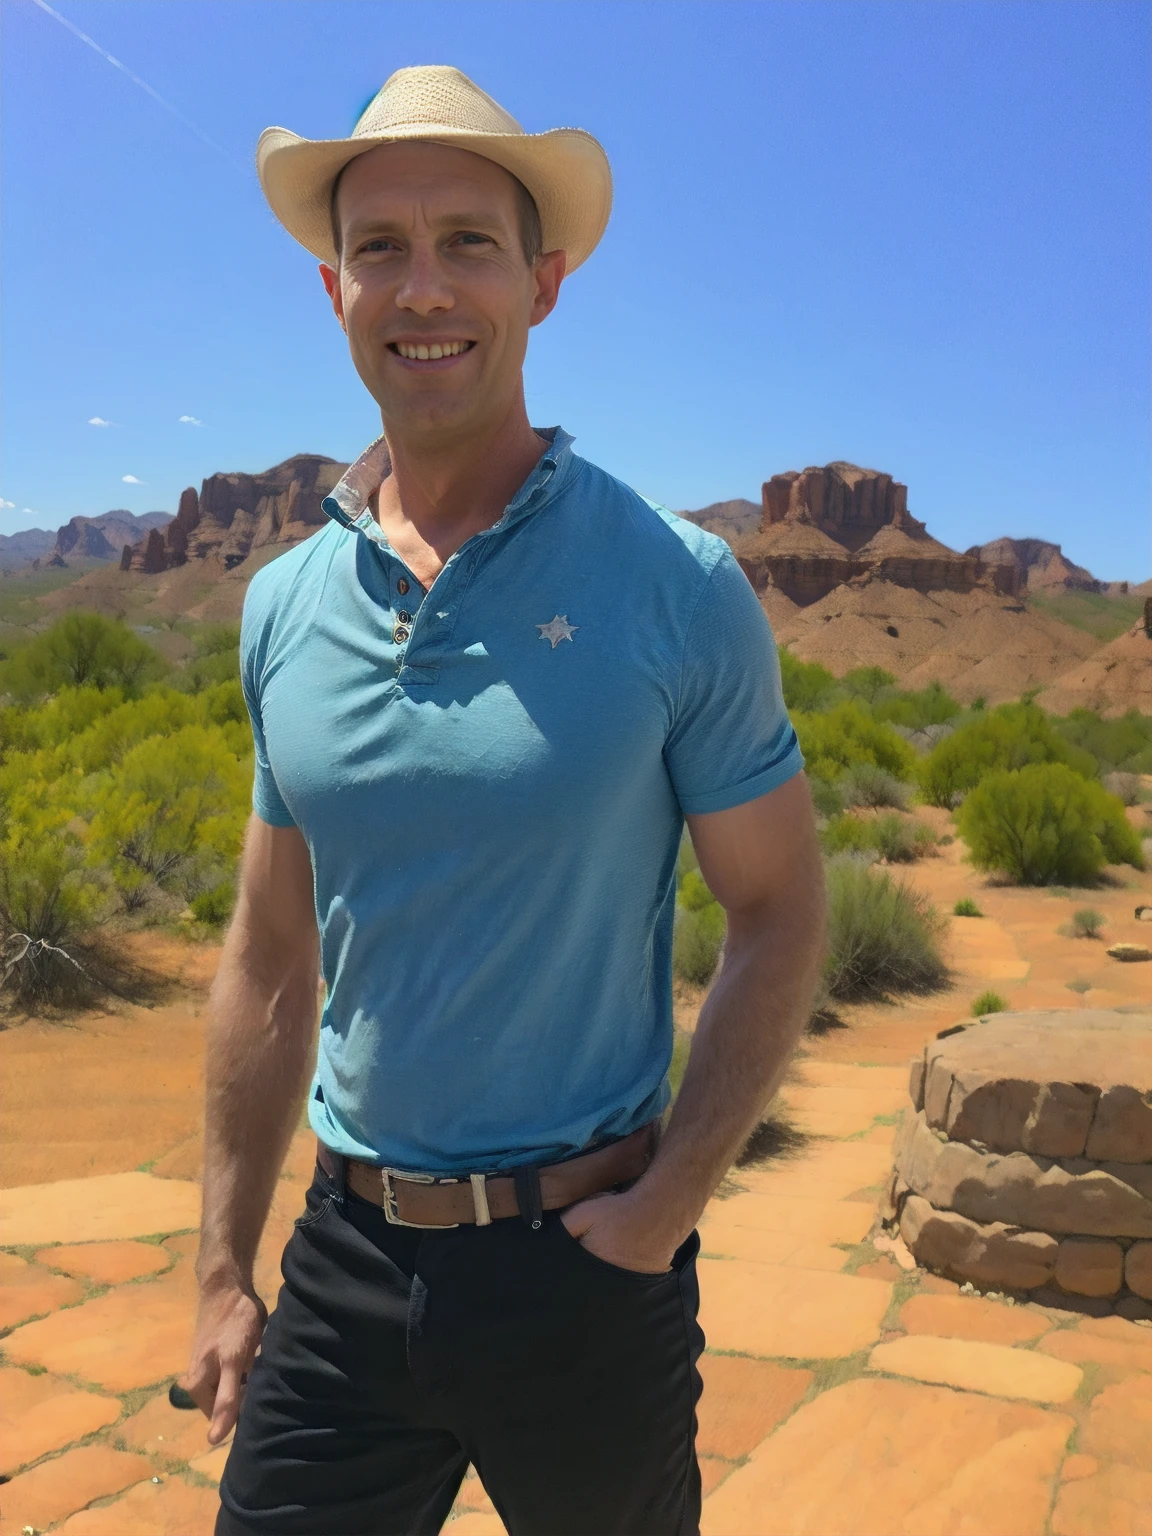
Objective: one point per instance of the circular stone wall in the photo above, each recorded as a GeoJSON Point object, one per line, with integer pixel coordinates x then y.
{"type": "Point", "coordinates": [1025, 1160]}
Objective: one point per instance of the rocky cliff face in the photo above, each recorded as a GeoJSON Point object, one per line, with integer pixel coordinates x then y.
{"type": "Point", "coordinates": [1043, 567]}
{"type": "Point", "coordinates": [822, 527]}
{"type": "Point", "coordinates": [102, 537]}
{"type": "Point", "coordinates": [235, 513]}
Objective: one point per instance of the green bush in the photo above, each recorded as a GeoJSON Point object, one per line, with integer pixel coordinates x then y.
{"type": "Point", "coordinates": [864, 784]}
{"type": "Point", "coordinates": [1125, 786]}
{"type": "Point", "coordinates": [1122, 745]}
{"type": "Point", "coordinates": [891, 837]}
{"type": "Point", "coordinates": [1087, 923]}
{"type": "Point", "coordinates": [847, 736]}
{"type": "Point", "coordinates": [1009, 737]}
{"type": "Point", "coordinates": [806, 684]}
{"type": "Point", "coordinates": [826, 797]}
{"type": "Point", "coordinates": [697, 941]}
{"type": "Point", "coordinates": [966, 907]}
{"type": "Point", "coordinates": [215, 905]}
{"type": "Point", "coordinates": [883, 936]}
{"type": "Point", "coordinates": [867, 683]}
{"type": "Point", "coordinates": [1046, 825]}
{"type": "Point", "coordinates": [215, 658]}
{"type": "Point", "coordinates": [917, 710]}
{"type": "Point", "coordinates": [81, 650]}
{"type": "Point", "coordinates": [989, 1002]}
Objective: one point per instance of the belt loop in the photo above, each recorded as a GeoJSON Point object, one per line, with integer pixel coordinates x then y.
{"type": "Point", "coordinates": [339, 1177]}
{"type": "Point", "coordinates": [527, 1178]}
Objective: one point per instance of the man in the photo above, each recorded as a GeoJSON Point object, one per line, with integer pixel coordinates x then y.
{"type": "Point", "coordinates": [483, 700]}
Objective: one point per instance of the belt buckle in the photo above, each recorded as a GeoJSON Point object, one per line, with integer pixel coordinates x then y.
{"type": "Point", "coordinates": [391, 1210]}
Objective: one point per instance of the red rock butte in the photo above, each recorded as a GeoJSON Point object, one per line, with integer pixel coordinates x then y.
{"type": "Point", "coordinates": [823, 527]}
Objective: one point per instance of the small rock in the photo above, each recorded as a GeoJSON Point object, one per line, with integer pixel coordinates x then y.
{"type": "Point", "coordinates": [1144, 914]}
{"type": "Point", "coordinates": [1090, 1266]}
{"type": "Point", "coordinates": [1130, 952]}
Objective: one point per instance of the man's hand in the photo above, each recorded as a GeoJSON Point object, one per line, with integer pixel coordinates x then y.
{"type": "Point", "coordinates": [620, 1230]}
{"type": "Point", "coordinates": [229, 1326]}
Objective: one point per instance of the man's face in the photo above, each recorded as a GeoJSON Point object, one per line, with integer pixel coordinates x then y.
{"type": "Point", "coordinates": [433, 287]}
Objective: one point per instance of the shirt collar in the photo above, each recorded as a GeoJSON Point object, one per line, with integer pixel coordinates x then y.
{"type": "Point", "coordinates": [347, 503]}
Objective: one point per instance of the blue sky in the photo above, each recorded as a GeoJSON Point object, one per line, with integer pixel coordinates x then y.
{"type": "Point", "coordinates": [912, 235]}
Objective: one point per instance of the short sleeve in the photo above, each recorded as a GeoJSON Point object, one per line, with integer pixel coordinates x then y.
{"type": "Point", "coordinates": [267, 801]}
{"type": "Point", "coordinates": [731, 739]}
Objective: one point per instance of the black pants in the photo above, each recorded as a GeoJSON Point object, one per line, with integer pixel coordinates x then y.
{"type": "Point", "coordinates": [395, 1357]}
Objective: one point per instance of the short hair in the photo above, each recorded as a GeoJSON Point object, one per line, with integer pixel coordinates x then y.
{"type": "Point", "coordinates": [527, 216]}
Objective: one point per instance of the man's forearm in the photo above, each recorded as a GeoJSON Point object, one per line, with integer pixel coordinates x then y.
{"type": "Point", "coordinates": [747, 1029]}
{"type": "Point", "coordinates": [259, 1052]}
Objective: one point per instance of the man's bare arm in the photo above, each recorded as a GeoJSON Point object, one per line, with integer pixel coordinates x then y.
{"type": "Point", "coordinates": [258, 1057]}
{"type": "Point", "coordinates": [762, 863]}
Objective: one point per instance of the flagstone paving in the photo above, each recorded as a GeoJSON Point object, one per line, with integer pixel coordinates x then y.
{"type": "Point", "coordinates": [843, 1393]}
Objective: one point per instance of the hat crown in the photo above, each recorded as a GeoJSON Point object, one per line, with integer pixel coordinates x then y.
{"type": "Point", "coordinates": [437, 95]}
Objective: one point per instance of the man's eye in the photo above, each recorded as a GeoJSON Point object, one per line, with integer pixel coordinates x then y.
{"type": "Point", "coordinates": [378, 245]}
{"type": "Point", "coordinates": [469, 238]}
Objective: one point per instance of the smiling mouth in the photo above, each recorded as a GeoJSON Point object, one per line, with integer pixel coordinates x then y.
{"type": "Point", "coordinates": [431, 352]}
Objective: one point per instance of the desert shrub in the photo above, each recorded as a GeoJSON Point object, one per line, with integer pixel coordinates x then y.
{"type": "Point", "coordinates": [867, 683]}
{"type": "Point", "coordinates": [847, 736]}
{"type": "Point", "coordinates": [894, 838]}
{"type": "Point", "coordinates": [826, 797]}
{"type": "Point", "coordinates": [883, 936]}
{"type": "Point", "coordinates": [1079, 984]}
{"type": "Point", "coordinates": [48, 896]}
{"type": "Point", "coordinates": [966, 907]}
{"type": "Point", "coordinates": [81, 650]}
{"type": "Point", "coordinates": [806, 684]}
{"type": "Point", "coordinates": [215, 658]}
{"type": "Point", "coordinates": [172, 806]}
{"type": "Point", "coordinates": [1009, 737]}
{"type": "Point", "coordinates": [917, 710]}
{"type": "Point", "coordinates": [989, 1002]}
{"type": "Point", "coordinates": [1123, 744]}
{"type": "Point", "coordinates": [1087, 923]}
{"type": "Point", "coordinates": [700, 930]}
{"type": "Point", "coordinates": [865, 784]}
{"type": "Point", "coordinates": [1044, 825]}
{"type": "Point", "coordinates": [214, 905]}
{"type": "Point", "coordinates": [1125, 786]}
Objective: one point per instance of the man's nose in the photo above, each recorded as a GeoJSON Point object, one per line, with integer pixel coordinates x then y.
{"type": "Point", "coordinates": [424, 288]}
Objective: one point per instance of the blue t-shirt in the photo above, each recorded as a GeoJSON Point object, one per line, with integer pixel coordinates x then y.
{"type": "Point", "coordinates": [491, 779]}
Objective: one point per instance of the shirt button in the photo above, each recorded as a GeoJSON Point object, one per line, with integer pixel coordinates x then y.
{"type": "Point", "coordinates": [402, 586]}
{"type": "Point", "coordinates": [404, 617]}
{"type": "Point", "coordinates": [399, 634]}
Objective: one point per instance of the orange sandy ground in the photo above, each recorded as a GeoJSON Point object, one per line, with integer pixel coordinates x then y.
{"type": "Point", "coordinates": [845, 1392]}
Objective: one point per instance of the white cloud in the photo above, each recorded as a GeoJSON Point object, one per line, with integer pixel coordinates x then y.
{"type": "Point", "coordinates": [6, 506]}
{"type": "Point", "coordinates": [98, 421]}
{"type": "Point", "coordinates": [132, 480]}
{"type": "Point", "coordinates": [28, 512]}
{"type": "Point", "coordinates": [191, 421]}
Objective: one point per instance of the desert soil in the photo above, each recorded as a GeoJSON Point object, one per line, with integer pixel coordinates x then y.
{"type": "Point", "coordinates": [847, 1393]}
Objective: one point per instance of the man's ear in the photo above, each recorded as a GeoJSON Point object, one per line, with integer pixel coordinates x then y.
{"type": "Point", "coordinates": [331, 280]}
{"type": "Point", "coordinates": [549, 275]}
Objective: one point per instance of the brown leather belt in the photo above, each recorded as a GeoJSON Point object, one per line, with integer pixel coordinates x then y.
{"type": "Point", "coordinates": [428, 1200]}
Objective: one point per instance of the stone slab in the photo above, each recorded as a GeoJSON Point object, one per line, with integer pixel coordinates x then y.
{"type": "Point", "coordinates": [978, 1367]}
{"type": "Point", "coordinates": [919, 1460]}
{"type": "Point", "coordinates": [172, 1507]}
{"type": "Point", "coordinates": [1122, 1126]}
{"type": "Point", "coordinates": [826, 1221]}
{"type": "Point", "coordinates": [1075, 1345]}
{"type": "Point", "coordinates": [158, 1429]}
{"type": "Point", "coordinates": [1138, 1269]}
{"type": "Point", "coordinates": [130, 1337]}
{"type": "Point", "coordinates": [744, 1400]}
{"type": "Point", "coordinates": [1119, 1425]}
{"type": "Point", "coordinates": [57, 1488]}
{"type": "Point", "coordinates": [971, 1317]}
{"type": "Point", "coordinates": [772, 1311]}
{"type": "Point", "coordinates": [1117, 1501]}
{"type": "Point", "coordinates": [1089, 1266]}
{"type": "Point", "coordinates": [110, 1206]}
{"type": "Point", "coordinates": [212, 1464]}
{"type": "Point", "coordinates": [52, 1424]}
{"type": "Point", "coordinates": [36, 1295]}
{"type": "Point", "coordinates": [106, 1263]}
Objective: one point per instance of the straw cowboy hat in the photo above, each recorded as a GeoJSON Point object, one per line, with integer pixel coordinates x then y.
{"type": "Point", "coordinates": [565, 169]}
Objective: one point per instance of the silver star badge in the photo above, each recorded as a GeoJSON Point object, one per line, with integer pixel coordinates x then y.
{"type": "Point", "coordinates": [557, 629]}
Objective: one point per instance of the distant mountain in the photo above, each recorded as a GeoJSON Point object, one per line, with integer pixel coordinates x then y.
{"type": "Point", "coordinates": [1043, 566]}
{"type": "Point", "coordinates": [103, 537]}
{"type": "Point", "coordinates": [730, 519]}
{"type": "Point", "coordinates": [16, 549]}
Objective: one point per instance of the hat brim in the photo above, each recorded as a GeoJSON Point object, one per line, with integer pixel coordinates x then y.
{"type": "Point", "coordinates": [565, 170]}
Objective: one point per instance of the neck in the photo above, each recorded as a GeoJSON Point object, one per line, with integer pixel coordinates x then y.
{"type": "Point", "coordinates": [449, 489]}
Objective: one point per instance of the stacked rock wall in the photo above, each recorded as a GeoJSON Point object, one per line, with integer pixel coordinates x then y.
{"type": "Point", "coordinates": [1025, 1160]}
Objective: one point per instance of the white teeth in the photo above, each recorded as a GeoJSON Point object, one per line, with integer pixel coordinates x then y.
{"type": "Point", "coordinates": [431, 353]}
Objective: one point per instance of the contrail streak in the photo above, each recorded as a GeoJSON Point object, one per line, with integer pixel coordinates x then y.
{"type": "Point", "coordinates": [136, 80]}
